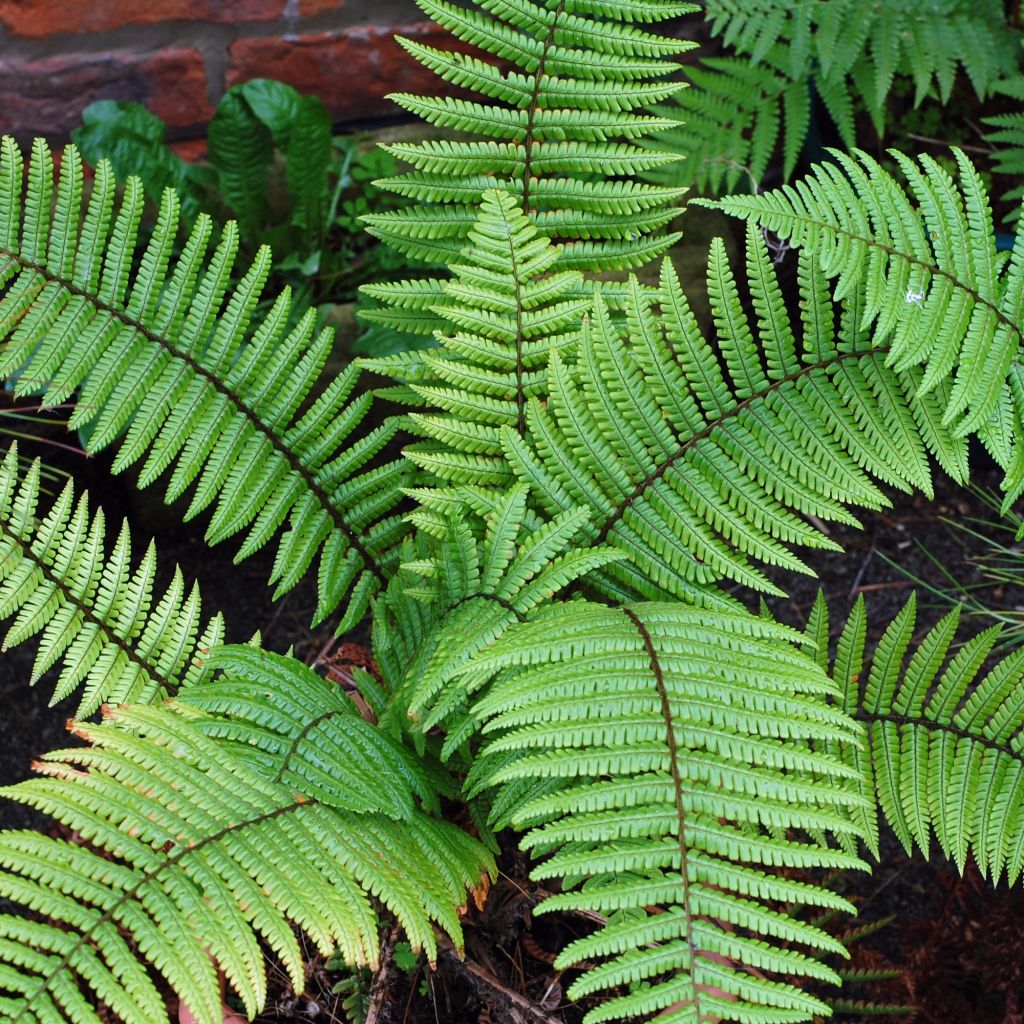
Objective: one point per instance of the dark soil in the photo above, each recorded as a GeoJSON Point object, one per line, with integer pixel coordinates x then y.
{"type": "Point", "coordinates": [953, 948]}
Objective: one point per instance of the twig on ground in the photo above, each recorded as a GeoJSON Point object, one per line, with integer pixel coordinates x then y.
{"type": "Point", "coordinates": [379, 984]}
{"type": "Point", "coordinates": [502, 995]}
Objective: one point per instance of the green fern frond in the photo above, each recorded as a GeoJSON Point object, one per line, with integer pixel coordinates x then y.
{"type": "Point", "coordinates": [1007, 137]}
{"type": "Point", "coordinates": [733, 115]}
{"type": "Point", "coordinates": [97, 615]}
{"type": "Point", "coordinates": [846, 53]}
{"type": "Point", "coordinates": [945, 753]}
{"type": "Point", "coordinates": [164, 359]}
{"type": "Point", "coordinates": [196, 852]}
{"type": "Point", "coordinates": [842, 41]}
{"type": "Point", "coordinates": [935, 290]}
{"type": "Point", "coordinates": [562, 108]}
{"type": "Point", "coordinates": [662, 756]}
{"type": "Point", "coordinates": [700, 456]}
{"type": "Point", "coordinates": [482, 566]}
{"type": "Point", "coordinates": [509, 312]}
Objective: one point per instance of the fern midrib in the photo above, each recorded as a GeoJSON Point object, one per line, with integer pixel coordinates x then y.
{"type": "Point", "coordinates": [175, 855]}
{"type": "Point", "coordinates": [308, 478]}
{"type": "Point", "coordinates": [531, 111]}
{"type": "Point", "coordinates": [520, 338]}
{"type": "Point", "coordinates": [303, 733]}
{"type": "Point", "coordinates": [620, 510]}
{"type": "Point", "coordinates": [87, 611]}
{"type": "Point", "coordinates": [680, 803]}
{"type": "Point", "coordinates": [934, 726]}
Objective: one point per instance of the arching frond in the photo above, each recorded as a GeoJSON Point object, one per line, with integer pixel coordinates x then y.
{"type": "Point", "coordinates": [195, 851]}
{"type": "Point", "coordinates": [936, 292]}
{"type": "Point", "coordinates": [698, 457]}
{"type": "Point", "coordinates": [164, 360]}
{"type": "Point", "coordinates": [96, 613]}
{"type": "Point", "coordinates": [945, 753]}
{"type": "Point", "coordinates": [661, 759]}
{"type": "Point", "coordinates": [560, 105]}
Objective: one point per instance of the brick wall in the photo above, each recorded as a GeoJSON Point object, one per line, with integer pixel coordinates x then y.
{"type": "Point", "coordinates": [178, 56]}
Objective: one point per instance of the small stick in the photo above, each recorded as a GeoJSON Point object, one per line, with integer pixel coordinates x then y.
{"type": "Point", "coordinates": [379, 985]}
{"type": "Point", "coordinates": [482, 977]}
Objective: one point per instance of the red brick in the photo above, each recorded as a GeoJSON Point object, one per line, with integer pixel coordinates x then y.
{"type": "Point", "coordinates": [48, 95]}
{"type": "Point", "coordinates": [40, 18]}
{"type": "Point", "coordinates": [308, 7]}
{"type": "Point", "coordinates": [351, 70]}
{"type": "Point", "coordinates": [192, 151]}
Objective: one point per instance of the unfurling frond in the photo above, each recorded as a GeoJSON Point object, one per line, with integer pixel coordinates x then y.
{"type": "Point", "coordinates": [164, 359]}
{"type": "Point", "coordinates": [699, 457]}
{"type": "Point", "coordinates": [96, 613]}
{"type": "Point", "coordinates": [945, 752]}
{"type": "Point", "coordinates": [665, 758]}
{"type": "Point", "coordinates": [935, 290]}
{"type": "Point", "coordinates": [196, 852]}
{"type": "Point", "coordinates": [560, 111]}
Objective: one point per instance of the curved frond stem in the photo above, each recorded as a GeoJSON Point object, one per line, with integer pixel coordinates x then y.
{"type": "Point", "coordinates": [214, 381]}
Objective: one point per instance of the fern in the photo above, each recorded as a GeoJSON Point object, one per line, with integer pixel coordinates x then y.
{"type": "Point", "coordinates": [845, 53]}
{"type": "Point", "coordinates": [662, 756]}
{"type": "Point", "coordinates": [1007, 136]}
{"type": "Point", "coordinates": [733, 115]}
{"type": "Point", "coordinates": [935, 290]}
{"type": "Point", "coordinates": [204, 850]}
{"type": "Point", "coordinates": [165, 362]}
{"type": "Point", "coordinates": [945, 752]}
{"type": "Point", "coordinates": [480, 569]}
{"type": "Point", "coordinates": [870, 45]}
{"type": "Point", "coordinates": [95, 613]}
{"type": "Point", "coordinates": [559, 130]}
{"type": "Point", "coordinates": [510, 312]}
{"type": "Point", "coordinates": [696, 476]}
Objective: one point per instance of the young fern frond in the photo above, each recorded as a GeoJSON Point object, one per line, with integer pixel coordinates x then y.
{"type": "Point", "coordinates": [559, 130]}
{"type": "Point", "coordinates": [945, 750]}
{"type": "Point", "coordinates": [208, 834]}
{"type": "Point", "coordinates": [96, 614]}
{"type": "Point", "coordinates": [483, 569]}
{"type": "Point", "coordinates": [936, 292]}
{"type": "Point", "coordinates": [163, 359]}
{"type": "Point", "coordinates": [699, 457]}
{"type": "Point", "coordinates": [662, 756]}
{"type": "Point", "coordinates": [509, 312]}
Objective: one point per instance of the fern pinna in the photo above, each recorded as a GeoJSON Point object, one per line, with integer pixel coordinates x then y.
{"type": "Point", "coordinates": [561, 115]}
{"type": "Point", "coordinates": [163, 359]}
